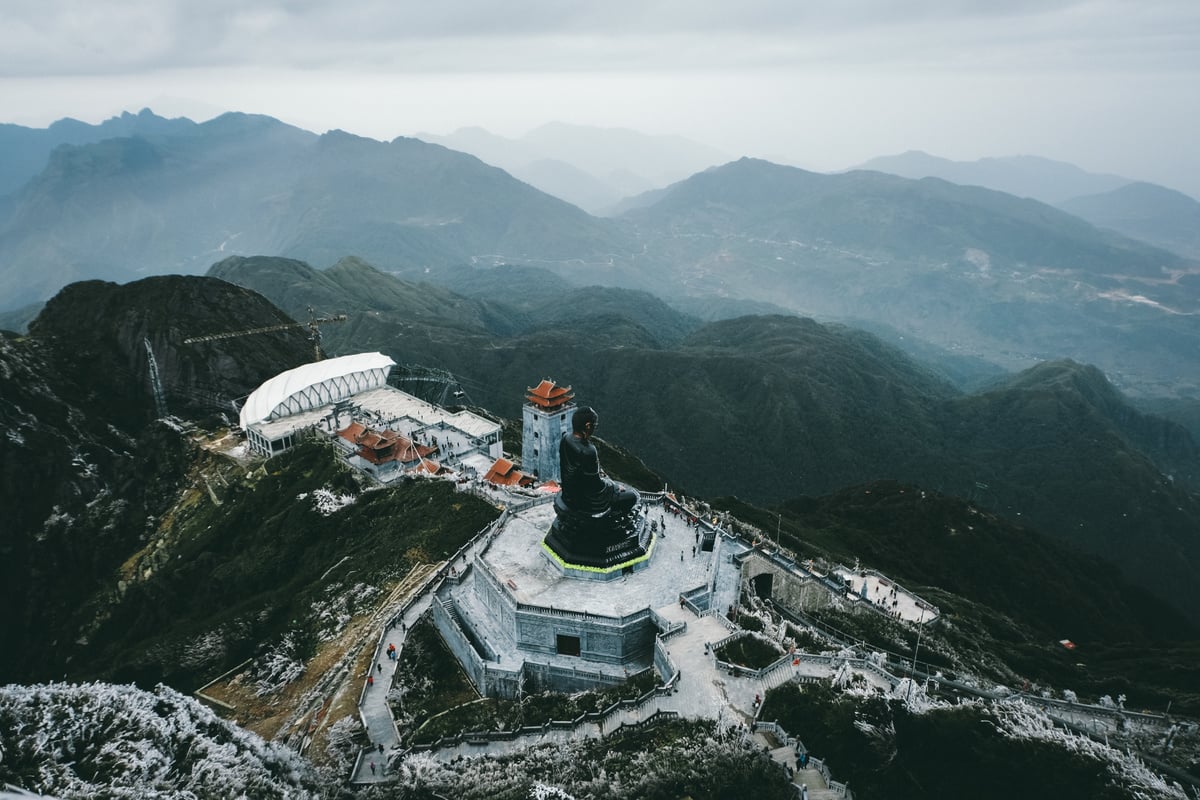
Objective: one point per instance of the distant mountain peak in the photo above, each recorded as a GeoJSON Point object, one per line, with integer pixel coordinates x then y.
{"type": "Point", "coordinates": [1022, 175]}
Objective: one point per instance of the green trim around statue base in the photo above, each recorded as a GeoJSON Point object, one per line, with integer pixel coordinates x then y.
{"type": "Point", "coordinates": [592, 573]}
{"type": "Point", "coordinates": [599, 546]}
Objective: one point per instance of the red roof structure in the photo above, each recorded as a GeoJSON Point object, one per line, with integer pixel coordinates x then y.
{"type": "Point", "coordinates": [505, 473]}
{"type": "Point", "coordinates": [430, 466]}
{"type": "Point", "coordinates": [380, 447]}
{"type": "Point", "coordinates": [548, 395]}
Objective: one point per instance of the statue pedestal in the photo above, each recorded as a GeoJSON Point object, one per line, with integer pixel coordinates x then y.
{"type": "Point", "coordinates": [600, 547]}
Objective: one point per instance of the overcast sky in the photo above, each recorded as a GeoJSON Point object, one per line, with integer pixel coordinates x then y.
{"type": "Point", "coordinates": [1110, 85]}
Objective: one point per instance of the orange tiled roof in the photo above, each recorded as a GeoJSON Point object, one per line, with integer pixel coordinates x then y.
{"type": "Point", "coordinates": [352, 431]}
{"type": "Point", "coordinates": [504, 473]}
{"type": "Point", "coordinates": [548, 394]}
{"type": "Point", "coordinates": [380, 447]}
{"type": "Point", "coordinates": [430, 466]}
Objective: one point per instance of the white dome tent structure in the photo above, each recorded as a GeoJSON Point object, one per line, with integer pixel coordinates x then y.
{"type": "Point", "coordinates": [381, 429]}
{"type": "Point", "coordinates": [313, 385]}
{"type": "Point", "coordinates": [307, 388]}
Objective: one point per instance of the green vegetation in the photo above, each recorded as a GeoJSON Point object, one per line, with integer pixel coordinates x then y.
{"type": "Point", "coordinates": [751, 651]}
{"type": "Point", "coordinates": [433, 697]}
{"type": "Point", "coordinates": [1006, 596]}
{"type": "Point", "coordinates": [242, 573]}
{"type": "Point", "coordinates": [882, 750]}
{"type": "Point", "coordinates": [668, 760]}
{"type": "Point", "coordinates": [1054, 591]}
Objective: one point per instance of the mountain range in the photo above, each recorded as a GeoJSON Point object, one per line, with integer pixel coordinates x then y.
{"type": "Point", "coordinates": [149, 204]}
{"type": "Point", "coordinates": [973, 270]}
{"type": "Point", "coordinates": [593, 168]}
{"type": "Point", "coordinates": [1154, 214]}
{"type": "Point", "coordinates": [977, 273]}
{"type": "Point", "coordinates": [779, 406]}
{"type": "Point", "coordinates": [1052, 182]}
{"type": "Point", "coordinates": [1161, 216]}
{"type": "Point", "coordinates": [148, 549]}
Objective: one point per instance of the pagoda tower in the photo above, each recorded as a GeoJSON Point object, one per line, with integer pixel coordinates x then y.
{"type": "Point", "coordinates": [546, 414]}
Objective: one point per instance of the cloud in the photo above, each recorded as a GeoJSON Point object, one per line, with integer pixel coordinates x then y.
{"type": "Point", "coordinates": [65, 37]}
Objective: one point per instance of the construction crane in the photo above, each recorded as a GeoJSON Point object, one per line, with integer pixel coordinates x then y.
{"type": "Point", "coordinates": [313, 325]}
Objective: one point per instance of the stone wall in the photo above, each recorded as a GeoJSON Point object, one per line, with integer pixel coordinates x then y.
{"type": "Point", "coordinates": [540, 433]}
{"type": "Point", "coordinates": [791, 590]}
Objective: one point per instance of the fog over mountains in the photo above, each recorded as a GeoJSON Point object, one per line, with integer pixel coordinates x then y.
{"type": "Point", "coordinates": [944, 373]}
{"type": "Point", "coordinates": [1140, 210]}
{"type": "Point", "coordinates": [977, 272]}
{"type": "Point", "coordinates": [593, 168]}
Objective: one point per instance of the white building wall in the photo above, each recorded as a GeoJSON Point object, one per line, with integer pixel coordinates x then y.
{"type": "Point", "coordinates": [540, 433]}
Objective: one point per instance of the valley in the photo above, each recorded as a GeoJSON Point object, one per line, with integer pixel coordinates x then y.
{"type": "Point", "coordinates": [985, 398]}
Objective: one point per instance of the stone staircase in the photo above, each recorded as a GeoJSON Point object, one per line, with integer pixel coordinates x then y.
{"type": "Point", "coordinates": [817, 788]}
{"type": "Point", "coordinates": [777, 677]}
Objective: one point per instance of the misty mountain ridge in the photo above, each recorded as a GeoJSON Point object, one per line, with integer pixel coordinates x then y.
{"type": "Point", "coordinates": [591, 167]}
{"type": "Point", "coordinates": [978, 271]}
{"type": "Point", "coordinates": [1044, 179]}
{"type": "Point", "coordinates": [26, 150]}
{"type": "Point", "coordinates": [1163, 217]}
{"type": "Point", "coordinates": [825, 406]}
{"type": "Point", "coordinates": [1151, 213]}
{"type": "Point", "coordinates": [972, 271]}
{"type": "Point", "coordinates": [243, 184]}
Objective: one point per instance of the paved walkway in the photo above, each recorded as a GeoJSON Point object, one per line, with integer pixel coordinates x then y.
{"type": "Point", "coordinates": [380, 727]}
{"type": "Point", "coordinates": [702, 691]}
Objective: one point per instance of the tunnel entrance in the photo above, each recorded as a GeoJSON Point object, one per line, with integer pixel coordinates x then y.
{"type": "Point", "coordinates": [762, 584]}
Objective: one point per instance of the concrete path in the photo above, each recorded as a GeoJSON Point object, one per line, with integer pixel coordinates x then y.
{"type": "Point", "coordinates": [702, 691]}
{"type": "Point", "coordinates": [373, 708]}
{"type": "Point", "coordinates": [809, 777]}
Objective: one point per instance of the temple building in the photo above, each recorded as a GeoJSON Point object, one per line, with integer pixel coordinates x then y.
{"type": "Point", "coordinates": [384, 431]}
{"type": "Point", "coordinates": [505, 473]}
{"type": "Point", "coordinates": [545, 415]}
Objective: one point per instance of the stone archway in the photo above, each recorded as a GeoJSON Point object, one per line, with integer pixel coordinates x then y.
{"type": "Point", "coordinates": [763, 583]}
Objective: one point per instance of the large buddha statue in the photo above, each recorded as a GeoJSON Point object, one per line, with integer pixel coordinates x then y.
{"type": "Point", "coordinates": [595, 524]}
{"type": "Point", "coordinates": [584, 487]}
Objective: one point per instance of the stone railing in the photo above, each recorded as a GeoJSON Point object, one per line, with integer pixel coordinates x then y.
{"type": "Point", "coordinates": [724, 620]}
{"type": "Point", "coordinates": [784, 738]}
{"type": "Point", "coordinates": [666, 627]}
{"type": "Point", "coordinates": [934, 612]}
{"type": "Point", "coordinates": [1140, 717]}
{"type": "Point", "coordinates": [690, 597]}
{"type": "Point", "coordinates": [597, 718]}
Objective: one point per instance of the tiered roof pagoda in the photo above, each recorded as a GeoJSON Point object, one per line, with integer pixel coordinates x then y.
{"type": "Point", "coordinates": [548, 395]}
{"type": "Point", "coordinates": [545, 417]}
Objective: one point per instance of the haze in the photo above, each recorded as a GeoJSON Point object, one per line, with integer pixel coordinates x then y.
{"type": "Point", "coordinates": [1108, 85]}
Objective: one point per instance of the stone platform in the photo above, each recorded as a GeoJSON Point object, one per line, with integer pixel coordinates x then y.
{"type": "Point", "coordinates": [521, 609]}
{"type": "Point", "coordinates": [598, 549]}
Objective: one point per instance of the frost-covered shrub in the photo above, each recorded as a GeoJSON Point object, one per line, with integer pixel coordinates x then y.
{"type": "Point", "coordinates": [331, 614]}
{"type": "Point", "coordinates": [280, 665]}
{"type": "Point", "coordinates": [664, 761]}
{"type": "Point", "coordinates": [327, 502]}
{"type": "Point", "coordinates": [342, 743]}
{"type": "Point", "coordinates": [100, 740]}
